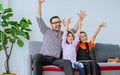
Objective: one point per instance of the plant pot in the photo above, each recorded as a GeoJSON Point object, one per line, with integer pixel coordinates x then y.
{"type": "Point", "coordinates": [9, 74]}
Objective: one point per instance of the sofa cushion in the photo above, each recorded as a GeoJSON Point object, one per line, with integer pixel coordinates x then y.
{"type": "Point", "coordinates": [103, 51]}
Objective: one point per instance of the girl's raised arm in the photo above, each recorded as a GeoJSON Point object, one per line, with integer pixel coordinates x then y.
{"type": "Point", "coordinates": [97, 31]}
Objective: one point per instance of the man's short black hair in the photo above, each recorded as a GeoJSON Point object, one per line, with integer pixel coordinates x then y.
{"type": "Point", "coordinates": [53, 18]}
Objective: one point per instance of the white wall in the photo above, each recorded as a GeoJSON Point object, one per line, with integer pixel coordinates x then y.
{"type": "Point", "coordinates": [97, 12]}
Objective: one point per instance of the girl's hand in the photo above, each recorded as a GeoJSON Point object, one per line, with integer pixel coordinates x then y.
{"type": "Point", "coordinates": [41, 1]}
{"type": "Point", "coordinates": [103, 24]}
{"type": "Point", "coordinates": [66, 22]}
{"type": "Point", "coordinates": [81, 15]}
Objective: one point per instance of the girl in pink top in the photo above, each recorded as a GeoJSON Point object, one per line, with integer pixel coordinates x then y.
{"type": "Point", "coordinates": [69, 42]}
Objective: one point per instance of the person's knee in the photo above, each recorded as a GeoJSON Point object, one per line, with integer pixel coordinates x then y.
{"type": "Point", "coordinates": [68, 62]}
{"type": "Point", "coordinates": [81, 65]}
{"type": "Point", "coordinates": [37, 57]}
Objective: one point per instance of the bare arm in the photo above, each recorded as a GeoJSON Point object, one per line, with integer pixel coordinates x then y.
{"type": "Point", "coordinates": [43, 27]}
{"type": "Point", "coordinates": [66, 28]}
{"type": "Point", "coordinates": [81, 15]}
{"type": "Point", "coordinates": [39, 12]}
{"type": "Point", "coordinates": [66, 24]}
{"type": "Point", "coordinates": [97, 31]}
{"type": "Point", "coordinates": [78, 25]}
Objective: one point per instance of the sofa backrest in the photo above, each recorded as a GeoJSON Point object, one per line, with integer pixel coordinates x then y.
{"type": "Point", "coordinates": [103, 51]}
{"type": "Point", "coordinates": [34, 47]}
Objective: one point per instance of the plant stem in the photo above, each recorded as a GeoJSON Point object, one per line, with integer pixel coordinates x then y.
{"type": "Point", "coordinates": [8, 54]}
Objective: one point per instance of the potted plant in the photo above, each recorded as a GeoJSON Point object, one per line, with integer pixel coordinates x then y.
{"type": "Point", "coordinates": [11, 33]}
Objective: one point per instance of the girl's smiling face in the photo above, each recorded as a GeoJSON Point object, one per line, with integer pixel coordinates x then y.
{"type": "Point", "coordinates": [69, 38]}
{"type": "Point", "coordinates": [83, 37]}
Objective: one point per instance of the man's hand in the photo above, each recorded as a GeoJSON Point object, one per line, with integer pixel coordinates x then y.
{"type": "Point", "coordinates": [39, 11]}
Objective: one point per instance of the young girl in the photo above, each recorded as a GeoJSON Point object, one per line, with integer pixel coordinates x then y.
{"type": "Point", "coordinates": [69, 42]}
{"type": "Point", "coordinates": [84, 48]}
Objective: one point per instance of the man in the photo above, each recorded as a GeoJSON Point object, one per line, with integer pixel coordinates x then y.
{"type": "Point", "coordinates": [51, 48]}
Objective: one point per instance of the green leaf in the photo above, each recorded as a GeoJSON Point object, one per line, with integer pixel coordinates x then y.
{"type": "Point", "coordinates": [1, 36]}
{"type": "Point", "coordinates": [29, 22]}
{"type": "Point", "coordinates": [20, 43]}
{"type": "Point", "coordinates": [15, 30]}
{"type": "Point", "coordinates": [7, 16]}
{"type": "Point", "coordinates": [7, 10]}
{"type": "Point", "coordinates": [1, 47]}
{"type": "Point", "coordinates": [5, 41]}
{"type": "Point", "coordinates": [22, 34]}
{"type": "Point", "coordinates": [8, 31]}
{"type": "Point", "coordinates": [23, 23]}
{"type": "Point", "coordinates": [23, 20]}
{"type": "Point", "coordinates": [5, 23]}
{"type": "Point", "coordinates": [11, 31]}
{"type": "Point", "coordinates": [28, 29]}
{"type": "Point", "coordinates": [12, 40]}
{"type": "Point", "coordinates": [14, 23]}
{"type": "Point", "coordinates": [0, 6]}
{"type": "Point", "coordinates": [27, 36]}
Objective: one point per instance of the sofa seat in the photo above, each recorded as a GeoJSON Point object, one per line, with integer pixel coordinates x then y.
{"type": "Point", "coordinates": [53, 68]}
{"type": "Point", "coordinates": [106, 69]}
{"type": "Point", "coordinates": [103, 67]}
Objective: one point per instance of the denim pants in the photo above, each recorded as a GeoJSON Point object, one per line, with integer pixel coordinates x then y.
{"type": "Point", "coordinates": [80, 67]}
